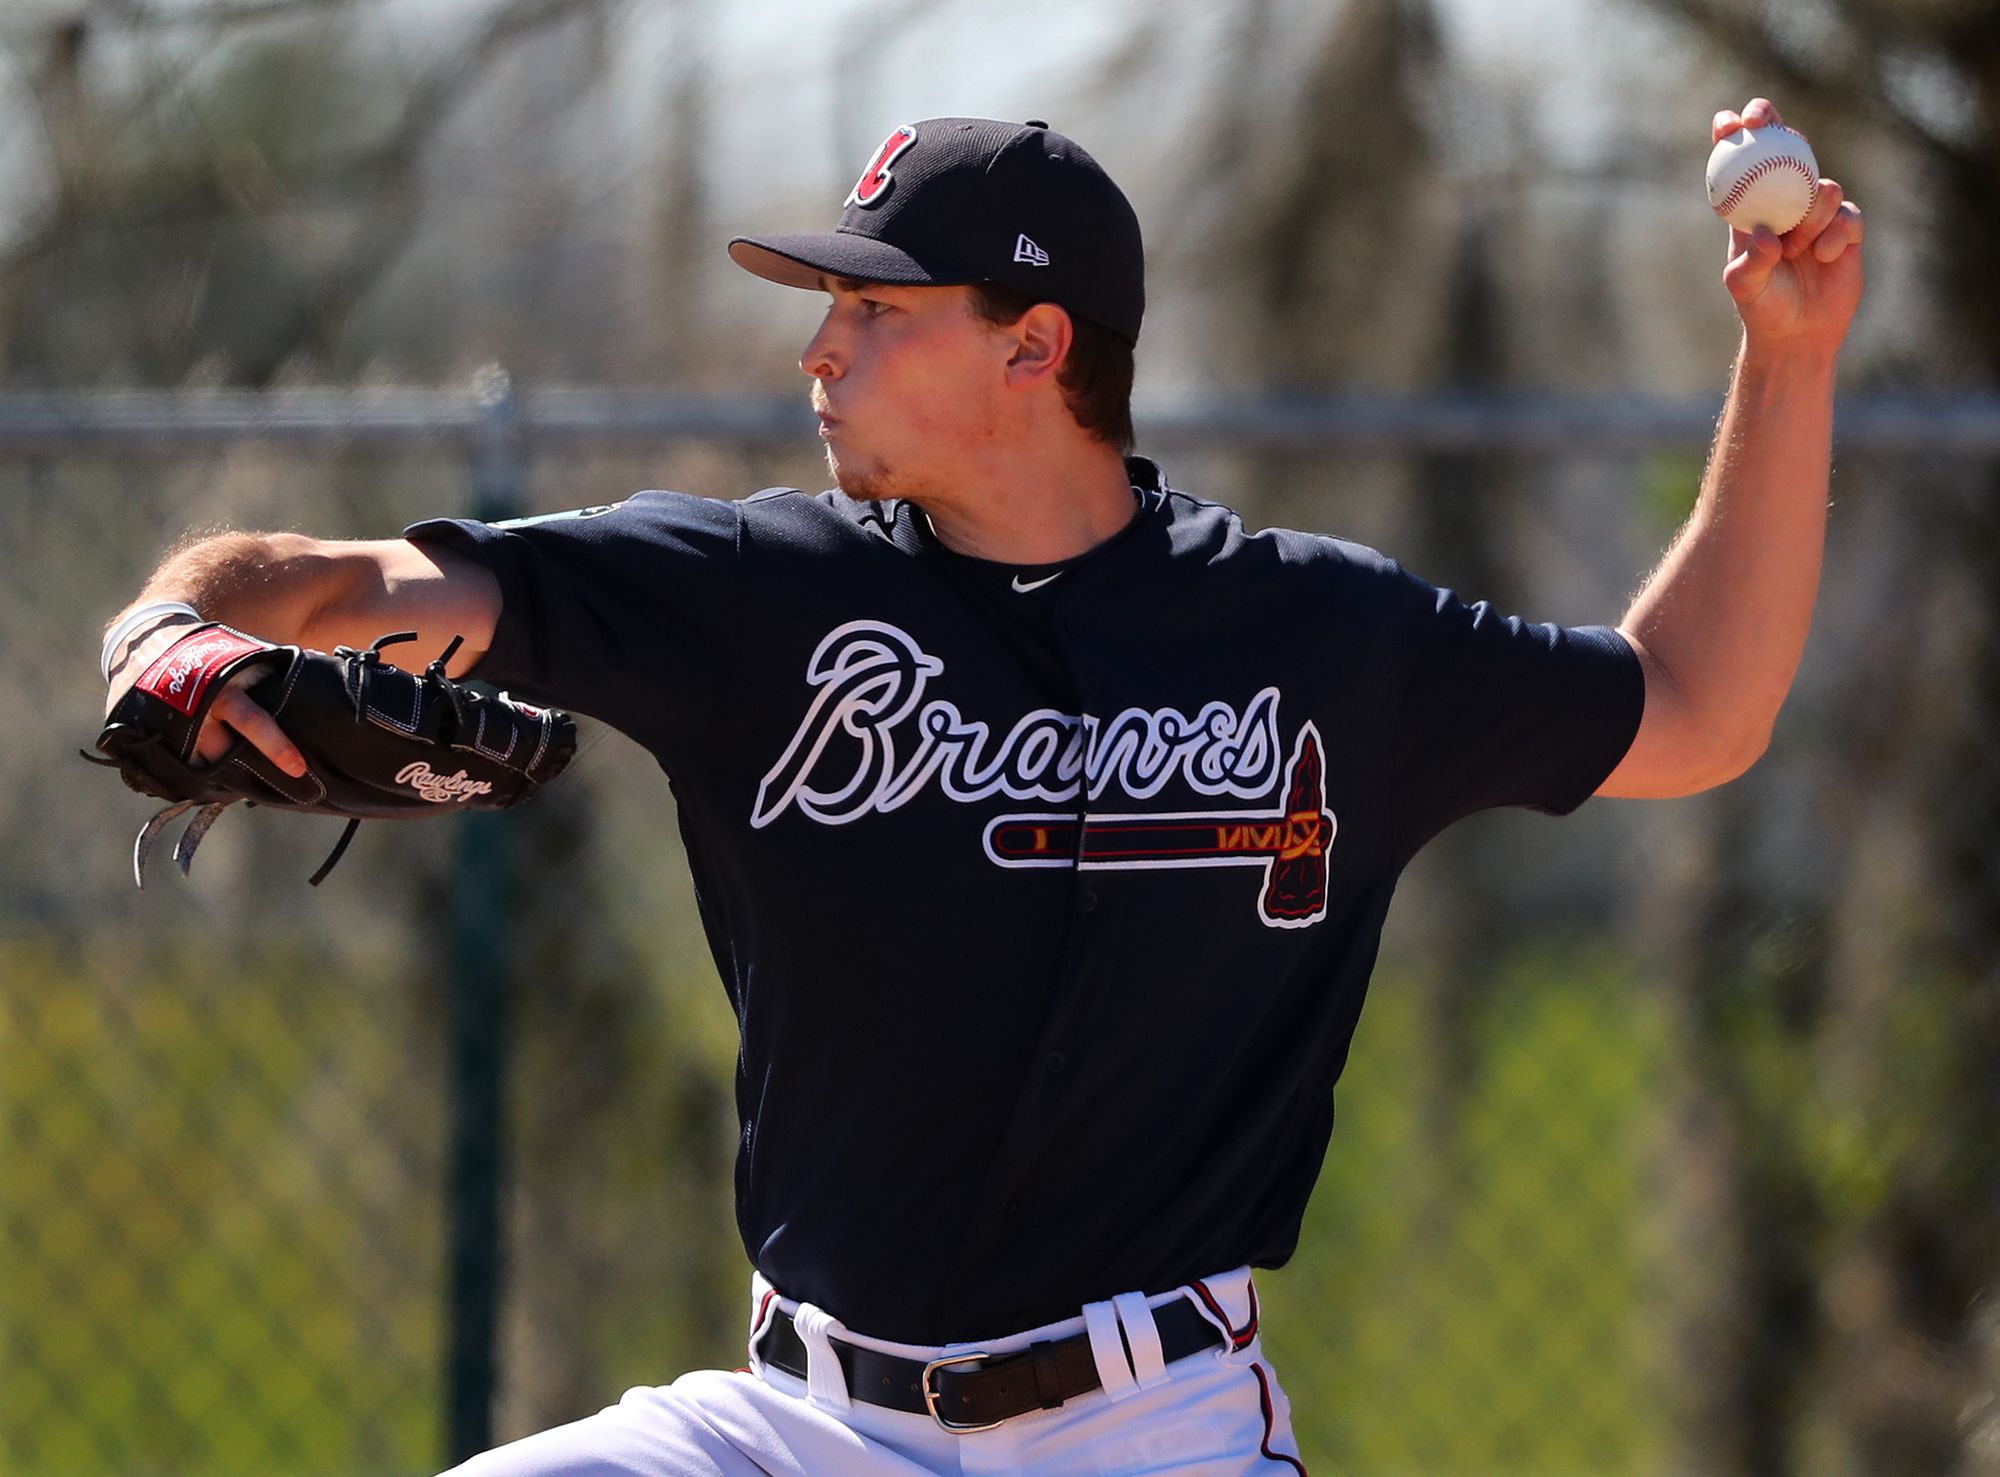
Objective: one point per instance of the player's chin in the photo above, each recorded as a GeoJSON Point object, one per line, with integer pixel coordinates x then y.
{"type": "Point", "coordinates": [862, 480]}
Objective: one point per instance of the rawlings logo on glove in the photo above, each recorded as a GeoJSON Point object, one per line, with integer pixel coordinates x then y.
{"type": "Point", "coordinates": [377, 741]}
{"type": "Point", "coordinates": [184, 673]}
{"type": "Point", "coordinates": [440, 789]}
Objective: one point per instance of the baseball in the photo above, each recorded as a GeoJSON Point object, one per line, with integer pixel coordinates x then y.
{"type": "Point", "coordinates": [1763, 177]}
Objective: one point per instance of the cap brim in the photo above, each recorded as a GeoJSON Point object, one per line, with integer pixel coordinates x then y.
{"type": "Point", "coordinates": [803, 260]}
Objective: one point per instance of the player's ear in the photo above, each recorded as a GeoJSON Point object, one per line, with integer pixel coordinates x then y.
{"type": "Point", "coordinates": [1042, 339]}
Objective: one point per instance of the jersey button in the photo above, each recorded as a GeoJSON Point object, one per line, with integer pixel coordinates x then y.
{"type": "Point", "coordinates": [1089, 900]}
{"type": "Point", "coordinates": [1072, 625]}
{"type": "Point", "coordinates": [1093, 686]}
{"type": "Point", "coordinates": [1012, 1208]}
{"type": "Point", "coordinates": [1055, 1061]}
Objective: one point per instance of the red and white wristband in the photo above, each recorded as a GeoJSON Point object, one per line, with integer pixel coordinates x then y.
{"type": "Point", "coordinates": [145, 618]}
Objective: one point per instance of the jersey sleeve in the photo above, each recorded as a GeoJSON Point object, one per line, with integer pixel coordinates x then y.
{"type": "Point", "coordinates": [617, 612]}
{"type": "Point", "coordinates": [1497, 711]}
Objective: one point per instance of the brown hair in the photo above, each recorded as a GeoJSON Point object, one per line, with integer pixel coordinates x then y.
{"type": "Point", "coordinates": [1096, 376]}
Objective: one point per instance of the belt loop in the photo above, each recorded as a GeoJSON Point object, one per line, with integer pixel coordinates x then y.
{"type": "Point", "coordinates": [1219, 1305]}
{"type": "Point", "coordinates": [1048, 1383]}
{"type": "Point", "coordinates": [826, 1381]}
{"type": "Point", "coordinates": [765, 1309]}
{"type": "Point", "coordinates": [1100, 1320]}
{"type": "Point", "coordinates": [1142, 1336]}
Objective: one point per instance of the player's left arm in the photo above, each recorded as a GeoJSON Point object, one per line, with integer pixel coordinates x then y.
{"type": "Point", "coordinates": [1720, 626]}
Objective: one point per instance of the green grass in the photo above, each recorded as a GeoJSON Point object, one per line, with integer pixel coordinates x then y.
{"type": "Point", "coordinates": [1470, 1294]}
{"type": "Point", "coordinates": [208, 1262]}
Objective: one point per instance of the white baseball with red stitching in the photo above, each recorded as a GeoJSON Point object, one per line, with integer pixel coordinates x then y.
{"type": "Point", "coordinates": [1763, 177]}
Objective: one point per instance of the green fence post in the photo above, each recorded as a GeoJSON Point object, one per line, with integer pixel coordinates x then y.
{"type": "Point", "coordinates": [482, 888]}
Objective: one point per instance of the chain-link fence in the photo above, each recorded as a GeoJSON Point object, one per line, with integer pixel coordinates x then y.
{"type": "Point", "coordinates": [1653, 1120]}
{"type": "Point", "coordinates": [247, 1181]}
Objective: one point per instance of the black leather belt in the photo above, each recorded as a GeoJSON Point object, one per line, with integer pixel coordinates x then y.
{"type": "Point", "coordinates": [962, 1397]}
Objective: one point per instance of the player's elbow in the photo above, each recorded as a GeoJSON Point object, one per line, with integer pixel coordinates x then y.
{"type": "Point", "coordinates": [1672, 760]}
{"type": "Point", "coordinates": [1721, 752]}
{"type": "Point", "coordinates": [1732, 755]}
{"type": "Point", "coordinates": [1698, 734]}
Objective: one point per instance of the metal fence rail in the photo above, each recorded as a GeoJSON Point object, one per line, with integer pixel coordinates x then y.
{"type": "Point", "coordinates": [172, 420]}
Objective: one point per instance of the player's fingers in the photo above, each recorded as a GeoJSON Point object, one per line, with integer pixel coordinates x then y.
{"type": "Point", "coordinates": [1846, 229]}
{"type": "Point", "coordinates": [234, 710]}
{"type": "Point", "coordinates": [1724, 123]}
{"type": "Point", "coordinates": [1761, 113]}
{"type": "Point", "coordinates": [1826, 204]}
{"type": "Point", "coordinates": [1752, 258]}
{"type": "Point", "coordinates": [217, 731]}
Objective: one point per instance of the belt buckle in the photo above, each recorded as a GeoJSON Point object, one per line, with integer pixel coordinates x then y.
{"type": "Point", "coordinates": [931, 1393]}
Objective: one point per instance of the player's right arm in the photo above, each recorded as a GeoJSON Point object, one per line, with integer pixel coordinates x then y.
{"type": "Point", "coordinates": [301, 591]}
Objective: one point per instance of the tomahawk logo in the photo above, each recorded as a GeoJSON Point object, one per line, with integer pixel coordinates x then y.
{"type": "Point", "coordinates": [870, 743]}
{"type": "Point", "coordinates": [1289, 844]}
{"type": "Point", "coordinates": [876, 177]}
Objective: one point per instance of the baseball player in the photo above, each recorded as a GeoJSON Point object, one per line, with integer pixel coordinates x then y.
{"type": "Point", "coordinates": [1043, 818]}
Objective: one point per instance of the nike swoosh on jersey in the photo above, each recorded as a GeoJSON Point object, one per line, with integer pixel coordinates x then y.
{"type": "Point", "coordinates": [1021, 589]}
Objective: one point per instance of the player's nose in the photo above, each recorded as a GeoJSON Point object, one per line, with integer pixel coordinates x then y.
{"type": "Point", "coordinates": [824, 357]}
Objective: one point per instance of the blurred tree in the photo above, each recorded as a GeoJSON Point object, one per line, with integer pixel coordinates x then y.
{"type": "Point", "coordinates": [226, 186]}
{"type": "Point", "coordinates": [1845, 1055]}
{"type": "Point", "coordinates": [1319, 260]}
{"type": "Point", "coordinates": [219, 208]}
{"type": "Point", "coordinates": [624, 1265]}
{"type": "Point", "coordinates": [1363, 260]}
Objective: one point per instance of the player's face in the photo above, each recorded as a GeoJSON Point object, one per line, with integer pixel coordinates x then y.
{"type": "Point", "coordinates": [908, 382]}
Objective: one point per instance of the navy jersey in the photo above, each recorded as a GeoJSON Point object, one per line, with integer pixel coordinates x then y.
{"type": "Point", "coordinates": [1046, 898]}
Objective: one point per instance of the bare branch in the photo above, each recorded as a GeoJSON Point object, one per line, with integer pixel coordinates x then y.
{"type": "Point", "coordinates": [1835, 84]}
{"type": "Point", "coordinates": [137, 15]}
{"type": "Point", "coordinates": [389, 172]}
{"type": "Point", "coordinates": [382, 182]}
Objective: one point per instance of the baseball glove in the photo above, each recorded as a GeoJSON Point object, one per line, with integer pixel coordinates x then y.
{"type": "Point", "coordinates": [378, 741]}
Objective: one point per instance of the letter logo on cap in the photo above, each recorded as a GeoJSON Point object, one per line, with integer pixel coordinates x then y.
{"type": "Point", "coordinates": [875, 178]}
{"type": "Point", "coordinates": [1026, 251]}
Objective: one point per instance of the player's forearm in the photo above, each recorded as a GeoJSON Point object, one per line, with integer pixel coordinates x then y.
{"type": "Point", "coordinates": [323, 593]}
{"type": "Point", "coordinates": [1725, 617]}
{"type": "Point", "coordinates": [272, 584]}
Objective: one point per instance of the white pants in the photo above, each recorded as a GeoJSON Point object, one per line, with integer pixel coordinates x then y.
{"type": "Point", "coordinates": [1213, 1414]}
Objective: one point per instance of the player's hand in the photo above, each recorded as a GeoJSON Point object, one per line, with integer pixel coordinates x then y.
{"type": "Point", "coordinates": [1798, 290]}
{"type": "Point", "coordinates": [231, 714]}
{"type": "Point", "coordinates": [234, 713]}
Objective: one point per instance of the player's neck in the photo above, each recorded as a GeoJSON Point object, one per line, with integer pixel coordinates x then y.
{"type": "Point", "coordinates": [1021, 508]}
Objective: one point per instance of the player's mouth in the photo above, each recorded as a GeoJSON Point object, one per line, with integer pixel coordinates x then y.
{"type": "Point", "coordinates": [821, 408]}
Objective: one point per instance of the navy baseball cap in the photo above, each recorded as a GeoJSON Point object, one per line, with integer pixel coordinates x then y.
{"type": "Point", "coordinates": [961, 200]}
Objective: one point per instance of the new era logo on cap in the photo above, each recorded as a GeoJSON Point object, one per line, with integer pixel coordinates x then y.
{"type": "Point", "coordinates": [1026, 251]}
